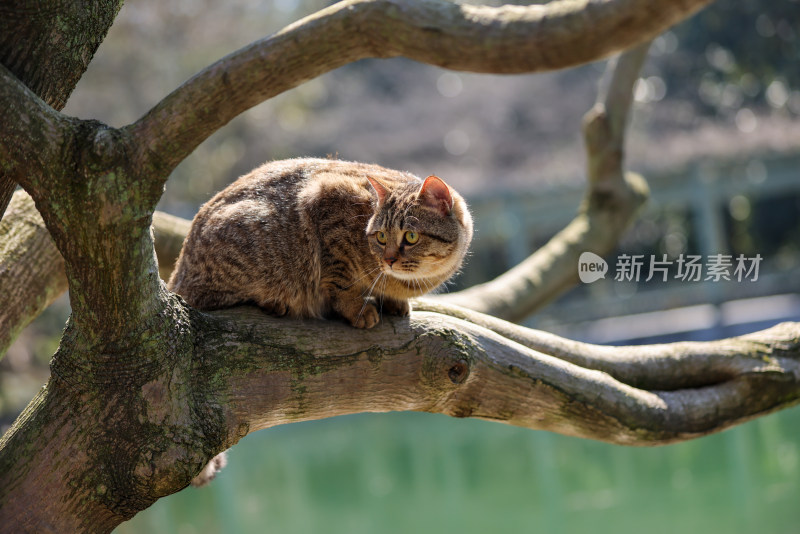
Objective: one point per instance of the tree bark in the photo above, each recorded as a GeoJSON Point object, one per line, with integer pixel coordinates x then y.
{"type": "Point", "coordinates": [48, 46]}
{"type": "Point", "coordinates": [437, 363]}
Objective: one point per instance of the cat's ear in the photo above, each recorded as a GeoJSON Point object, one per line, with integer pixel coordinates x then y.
{"type": "Point", "coordinates": [435, 194]}
{"type": "Point", "coordinates": [379, 189]}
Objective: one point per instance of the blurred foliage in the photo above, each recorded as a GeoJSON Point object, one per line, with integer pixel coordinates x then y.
{"type": "Point", "coordinates": [734, 54]}
{"type": "Point", "coordinates": [769, 226]}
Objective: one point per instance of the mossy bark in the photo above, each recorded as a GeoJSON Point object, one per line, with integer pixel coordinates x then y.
{"type": "Point", "coordinates": [48, 46]}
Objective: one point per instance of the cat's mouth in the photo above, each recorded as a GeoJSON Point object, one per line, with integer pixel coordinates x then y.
{"type": "Point", "coordinates": [402, 275]}
{"type": "Point", "coordinates": [414, 274]}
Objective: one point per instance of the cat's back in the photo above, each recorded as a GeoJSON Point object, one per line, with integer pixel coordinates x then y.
{"type": "Point", "coordinates": [243, 236]}
{"type": "Point", "coordinates": [268, 223]}
{"type": "Point", "coordinates": [288, 182]}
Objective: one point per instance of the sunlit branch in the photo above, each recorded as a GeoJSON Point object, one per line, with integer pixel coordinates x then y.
{"type": "Point", "coordinates": [438, 363]}
{"type": "Point", "coordinates": [507, 39]}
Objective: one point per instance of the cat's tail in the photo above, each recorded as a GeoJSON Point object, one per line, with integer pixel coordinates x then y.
{"type": "Point", "coordinates": [210, 470]}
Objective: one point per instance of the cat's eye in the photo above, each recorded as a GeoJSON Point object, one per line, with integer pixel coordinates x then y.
{"type": "Point", "coordinates": [411, 237]}
{"type": "Point", "coordinates": [381, 237]}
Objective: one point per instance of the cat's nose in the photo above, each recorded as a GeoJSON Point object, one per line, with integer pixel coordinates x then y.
{"type": "Point", "coordinates": [390, 260]}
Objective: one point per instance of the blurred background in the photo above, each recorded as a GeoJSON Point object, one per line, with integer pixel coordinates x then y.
{"type": "Point", "coordinates": [716, 132]}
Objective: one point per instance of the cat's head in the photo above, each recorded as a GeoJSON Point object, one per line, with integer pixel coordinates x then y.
{"type": "Point", "coordinates": [419, 231]}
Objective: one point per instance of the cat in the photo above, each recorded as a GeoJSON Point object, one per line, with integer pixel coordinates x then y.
{"type": "Point", "coordinates": [315, 238]}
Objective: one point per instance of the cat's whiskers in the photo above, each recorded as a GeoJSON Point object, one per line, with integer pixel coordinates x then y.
{"type": "Point", "coordinates": [428, 285]}
{"type": "Point", "coordinates": [366, 299]}
{"type": "Point", "coordinates": [361, 278]}
{"type": "Point", "coordinates": [383, 293]}
{"type": "Point", "coordinates": [368, 291]}
{"type": "Point", "coordinates": [419, 283]}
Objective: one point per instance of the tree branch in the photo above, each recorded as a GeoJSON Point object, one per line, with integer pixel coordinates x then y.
{"type": "Point", "coordinates": [32, 270]}
{"type": "Point", "coordinates": [507, 39]}
{"type": "Point", "coordinates": [612, 200]}
{"type": "Point", "coordinates": [285, 371]}
{"type": "Point", "coordinates": [32, 133]}
{"type": "Point", "coordinates": [666, 367]}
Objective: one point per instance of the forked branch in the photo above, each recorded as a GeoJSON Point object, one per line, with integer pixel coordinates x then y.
{"type": "Point", "coordinates": [285, 371]}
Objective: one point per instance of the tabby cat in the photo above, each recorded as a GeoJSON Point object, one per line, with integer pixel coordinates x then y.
{"type": "Point", "coordinates": [307, 237]}
{"type": "Point", "coordinates": [312, 237]}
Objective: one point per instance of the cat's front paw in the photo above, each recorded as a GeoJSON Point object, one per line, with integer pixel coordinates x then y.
{"type": "Point", "coordinates": [400, 308]}
{"type": "Point", "coordinates": [276, 309]}
{"type": "Point", "coordinates": [367, 317]}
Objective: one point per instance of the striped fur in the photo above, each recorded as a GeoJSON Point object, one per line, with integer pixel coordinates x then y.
{"type": "Point", "coordinates": [300, 238]}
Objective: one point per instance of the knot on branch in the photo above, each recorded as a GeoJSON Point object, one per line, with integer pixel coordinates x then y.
{"type": "Point", "coordinates": [459, 372]}
{"type": "Point", "coordinates": [102, 180]}
{"type": "Point", "coordinates": [104, 145]}
{"type": "Point", "coordinates": [449, 359]}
